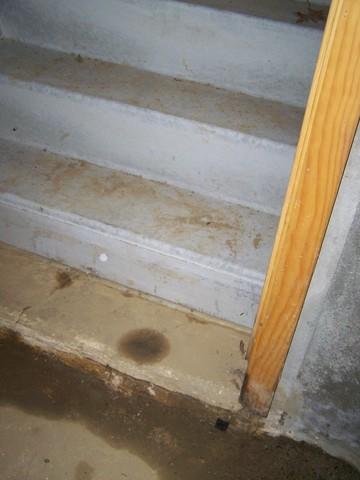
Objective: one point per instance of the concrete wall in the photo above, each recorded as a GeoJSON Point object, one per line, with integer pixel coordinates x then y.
{"type": "Point", "coordinates": [318, 398]}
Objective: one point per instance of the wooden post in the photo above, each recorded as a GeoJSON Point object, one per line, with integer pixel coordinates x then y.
{"type": "Point", "coordinates": [327, 133]}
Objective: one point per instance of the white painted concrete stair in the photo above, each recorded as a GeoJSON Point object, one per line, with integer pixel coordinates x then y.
{"type": "Point", "coordinates": [161, 162]}
{"type": "Point", "coordinates": [228, 145]}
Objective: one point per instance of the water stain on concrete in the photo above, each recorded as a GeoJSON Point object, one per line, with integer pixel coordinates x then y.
{"type": "Point", "coordinates": [63, 280]}
{"type": "Point", "coordinates": [84, 471]}
{"type": "Point", "coordinates": [144, 345]}
{"type": "Point", "coordinates": [173, 434]}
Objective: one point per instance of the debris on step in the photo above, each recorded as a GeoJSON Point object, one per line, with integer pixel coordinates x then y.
{"type": "Point", "coordinates": [311, 15]}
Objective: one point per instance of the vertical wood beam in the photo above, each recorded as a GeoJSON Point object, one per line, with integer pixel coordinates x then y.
{"type": "Point", "coordinates": [327, 133]}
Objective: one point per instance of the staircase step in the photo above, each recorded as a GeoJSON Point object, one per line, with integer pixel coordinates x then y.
{"type": "Point", "coordinates": [276, 10]}
{"type": "Point", "coordinates": [91, 318]}
{"type": "Point", "coordinates": [168, 95]}
{"type": "Point", "coordinates": [259, 49]}
{"type": "Point", "coordinates": [228, 145]}
{"type": "Point", "coordinates": [147, 235]}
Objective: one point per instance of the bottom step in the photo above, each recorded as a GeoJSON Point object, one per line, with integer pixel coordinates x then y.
{"type": "Point", "coordinates": [67, 310]}
{"type": "Point", "coordinates": [177, 245]}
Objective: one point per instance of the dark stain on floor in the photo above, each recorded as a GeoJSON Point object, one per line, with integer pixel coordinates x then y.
{"type": "Point", "coordinates": [144, 345]}
{"type": "Point", "coordinates": [175, 435]}
{"type": "Point", "coordinates": [84, 471]}
{"type": "Point", "coordinates": [63, 280]}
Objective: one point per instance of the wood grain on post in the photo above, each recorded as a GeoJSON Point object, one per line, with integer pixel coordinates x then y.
{"type": "Point", "coordinates": [328, 129]}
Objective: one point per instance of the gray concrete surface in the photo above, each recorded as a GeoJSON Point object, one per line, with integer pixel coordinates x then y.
{"type": "Point", "coordinates": [223, 144]}
{"type": "Point", "coordinates": [318, 398]}
{"type": "Point", "coordinates": [183, 351]}
{"type": "Point", "coordinates": [33, 448]}
{"type": "Point", "coordinates": [68, 418]}
{"type": "Point", "coordinates": [195, 95]}
{"type": "Point", "coordinates": [238, 51]}
{"type": "Point", "coordinates": [147, 235]}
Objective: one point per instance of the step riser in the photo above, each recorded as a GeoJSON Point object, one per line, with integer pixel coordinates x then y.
{"type": "Point", "coordinates": [51, 235]}
{"type": "Point", "coordinates": [239, 52]}
{"type": "Point", "coordinates": [319, 2]}
{"type": "Point", "coordinates": [220, 163]}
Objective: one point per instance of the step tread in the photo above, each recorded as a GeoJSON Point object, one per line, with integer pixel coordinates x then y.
{"type": "Point", "coordinates": [277, 10]}
{"type": "Point", "coordinates": [90, 316]}
{"type": "Point", "coordinates": [235, 238]}
{"type": "Point", "coordinates": [138, 88]}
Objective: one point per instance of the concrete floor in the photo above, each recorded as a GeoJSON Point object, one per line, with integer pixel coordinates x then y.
{"type": "Point", "coordinates": [66, 417]}
{"type": "Point", "coordinates": [100, 382]}
{"type": "Point", "coordinates": [33, 447]}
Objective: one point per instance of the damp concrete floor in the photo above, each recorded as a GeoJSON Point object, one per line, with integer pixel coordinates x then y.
{"type": "Point", "coordinates": [63, 416]}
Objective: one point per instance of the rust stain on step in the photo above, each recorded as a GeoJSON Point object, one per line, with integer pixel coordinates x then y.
{"type": "Point", "coordinates": [257, 240]}
{"type": "Point", "coordinates": [108, 185]}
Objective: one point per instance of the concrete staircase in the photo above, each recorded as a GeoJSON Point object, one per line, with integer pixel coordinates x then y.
{"type": "Point", "coordinates": [150, 141]}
